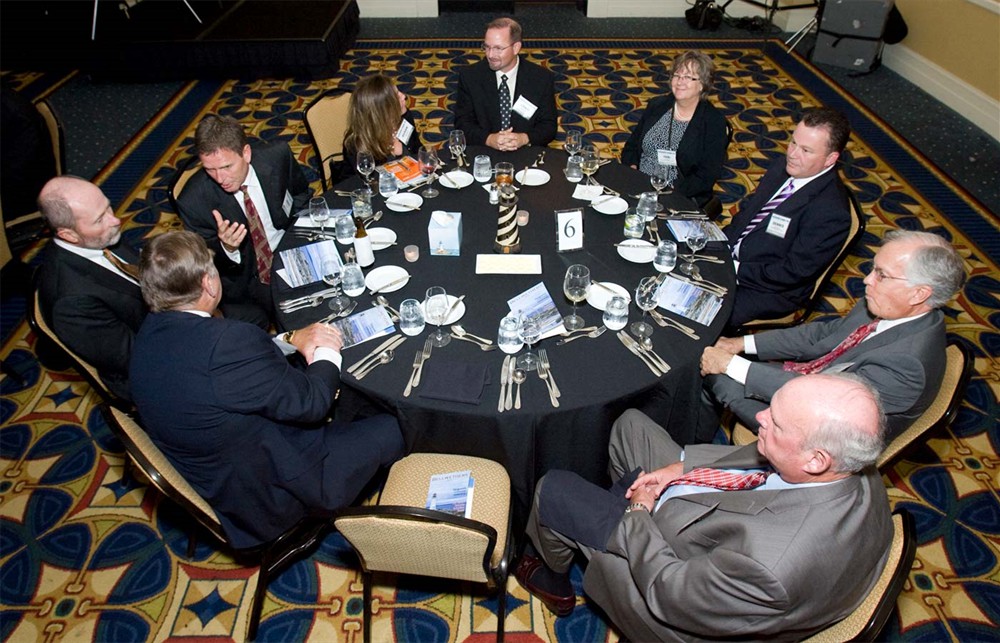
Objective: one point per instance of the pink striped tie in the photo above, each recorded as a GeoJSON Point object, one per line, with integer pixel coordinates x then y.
{"type": "Point", "coordinates": [721, 479]}
{"type": "Point", "coordinates": [768, 208]}
{"type": "Point", "coordinates": [818, 364]}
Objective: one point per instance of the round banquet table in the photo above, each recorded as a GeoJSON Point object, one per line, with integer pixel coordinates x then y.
{"type": "Point", "coordinates": [598, 377]}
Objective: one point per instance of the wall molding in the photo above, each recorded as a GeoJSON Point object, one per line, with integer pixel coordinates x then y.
{"type": "Point", "coordinates": [973, 104]}
{"type": "Point", "coordinates": [398, 8]}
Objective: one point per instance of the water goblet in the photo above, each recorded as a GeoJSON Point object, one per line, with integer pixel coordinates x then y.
{"type": "Point", "coordinates": [645, 299]}
{"type": "Point", "coordinates": [352, 279]}
{"type": "Point", "coordinates": [429, 162]}
{"type": "Point", "coordinates": [387, 185]}
{"type": "Point", "coordinates": [529, 332]}
{"type": "Point", "coordinates": [658, 179]}
{"type": "Point", "coordinates": [574, 139]}
{"type": "Point", "coordinates": [365, 164]}
{"type": "Point", "coordinates": [456, 145]}
{"type": "Point", "coordinates": [696, 240]}
{"type": "Point", "coordinates": [575, 286]}
{"type": "Point", "coordinates": [436, 311]}
{"type": "Point", "coordinates": [319, 213]}
{"type": "Point", "coordinates": [331, 275]}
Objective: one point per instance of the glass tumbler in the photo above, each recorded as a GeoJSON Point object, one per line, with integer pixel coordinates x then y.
{"type": "Point", "coordinates": [508, 336]}
{"type": "Point", "coordinates": [482, 168]}
{"type": "Point", "coordinates": [411, 317]}
{"type": "Point", "coordinates": [616, 313]}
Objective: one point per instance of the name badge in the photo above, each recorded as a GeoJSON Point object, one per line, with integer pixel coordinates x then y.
{"type": "Point", "coordinates": [286, 203]}
{"type": "Point", "coordinates": [666, 157]}
{"type": "Point", "coordinates": [404, 132]}
{"type": "Point", "coordinates": [524, 107]}
{"type": "Point", "coordinates": [778, 225]}
{"type": "Point", "coordinates": [569, 230]}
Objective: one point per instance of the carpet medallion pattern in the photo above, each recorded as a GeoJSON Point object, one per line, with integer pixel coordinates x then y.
{"type": "Point", "coordinates": [88, 553]}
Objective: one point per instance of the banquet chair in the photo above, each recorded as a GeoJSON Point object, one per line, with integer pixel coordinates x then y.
{"type": "Point", "coordinates": [21, 226]}
{"type": "Point", "coordinates": [868, 618]}
{"type": "Point", "coordinates": [272, 556]}
{"type": "Point", "coordinates": [326, 121]}
{"type": "Point", "coordinates": [794, 318]}
{"type": "Point", "coordinates": [713, 207]}
{"type": "Point", "coordinates": [398, 535]}
{"type": "Point", "coordinates": [184, 173]}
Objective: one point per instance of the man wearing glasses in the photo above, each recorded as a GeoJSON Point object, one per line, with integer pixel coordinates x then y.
{"type": "Point", "coordinates": [505, 102]}
{"type": "Point", "coordinates": [894, 338]}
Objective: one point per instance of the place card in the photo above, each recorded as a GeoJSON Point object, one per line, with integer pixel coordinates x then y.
{"type": "Point", "coordinates": [304, 265]}
{"type": "Point", "coordinates": [493, 264]}
{"type": "Point", "coordinates": [688, 300]}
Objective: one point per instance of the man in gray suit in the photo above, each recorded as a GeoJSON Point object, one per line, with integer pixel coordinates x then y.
{"type": "Point", "coordinates": [897, 333]}
{"type": "Point", "coordinates": [674, 559]}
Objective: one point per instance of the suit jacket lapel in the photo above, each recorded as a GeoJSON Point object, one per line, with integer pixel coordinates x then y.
{"type": "Point", "coordinates": [804, 194]}
{"type": "Point", "coordinates": [99, 275]}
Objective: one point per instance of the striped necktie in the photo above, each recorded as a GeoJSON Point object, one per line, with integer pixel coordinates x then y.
{"type": "Point", "coordinates": [721, 479]}
{"type": "Point", "coordinates": [768, 208]}
{"type": "Point", "coordinates": [260, 245]}
{"type": "Point", "coordinates": [504, 103]}
{"type": "Point", "coordinates": [818, 364]}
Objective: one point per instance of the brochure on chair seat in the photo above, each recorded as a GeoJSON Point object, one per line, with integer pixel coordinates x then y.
{"type": "Point", "coordinates": [451, 493]}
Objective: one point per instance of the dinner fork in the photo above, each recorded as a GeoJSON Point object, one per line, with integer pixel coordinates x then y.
{"type": "Point", "coordinates": [544, 375]}
{"type": "Point", "coordinates": [543, 355]}
{"type": "Point", "coordinates": [597, 332]}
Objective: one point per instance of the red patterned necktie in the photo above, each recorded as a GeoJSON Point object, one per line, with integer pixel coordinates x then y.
{"type": "Point", "coordinates": [818, 364]}
{"type": "Point", "coordinates": [722, 479]}
{"type": "Point", "coordinates": [260, 245]}
{"type": "Point", "coordinates": [504, 103]}
{"type": "Point", "coordinates": [129, 269]}
{"type": "Point", "coordinates": [768, 208]}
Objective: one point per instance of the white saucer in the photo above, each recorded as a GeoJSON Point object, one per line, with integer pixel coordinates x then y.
{"type": "Point", "coordinates": [453, 317]}
{"type": "Point", "coordinates": [384, 275]}
{"type": "Point", "coordinates": [637, 251]}
{"type": "Point", "coordinates": [381, 238]}
{"type": "Point", "coordinates": [598, 297]}
{"type": "Point", "coordinates": [456, 179]}
{"type": "Point", "coordinates": [534, 177]}
{"type": "Point", "coordinates": [404, 202]}
{"type": "Point", "coordinates": [614, 205]}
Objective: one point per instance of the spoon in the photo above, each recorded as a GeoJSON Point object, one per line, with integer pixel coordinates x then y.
{"type": "Point", "coordinates": [646, 343]}
{"type": "Point", "coordinates": [344, 313]}
{"type": "Point", "coordinates": [382, 301]}
{"type": "Point", "coordinates": [519, 377]}
{"type": "Point", "coordinates": [375, 217]}
{"type": "Point", "coordinates": [383, 358]}
{"type": "Point", "coordinates": [482, 347]}
{"type": "Point", "coordinates": [461, 332]}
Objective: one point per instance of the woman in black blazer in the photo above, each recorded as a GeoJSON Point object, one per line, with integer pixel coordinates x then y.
{"type": "Point", "coordinates": [682, 131]}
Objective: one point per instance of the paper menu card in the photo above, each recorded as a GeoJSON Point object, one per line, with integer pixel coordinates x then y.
{"type": "Point", "coordinates": [451, 493]}
{"type": "Point", "coordinates": [537, 302]}
{"type": "Point", "coordinates": [360, 327]}
{"type": "Point", "coordinates": [681, 229]}
{"type": "Point", "coordinates": [494, 264]}
{"type": "Point", "coordinates": [304, 265]}
{"type": "Point", "coordinates": [688, 300]}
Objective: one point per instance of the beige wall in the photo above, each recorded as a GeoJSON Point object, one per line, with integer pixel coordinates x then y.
{"type": "Point", "coordinates": [960, 36]}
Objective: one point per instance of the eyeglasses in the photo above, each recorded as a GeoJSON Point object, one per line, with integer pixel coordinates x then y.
{"type": "Point", "coordinates": [880, 275]}
{"type": "Point", "coordinates": [494, 50]}
{"type": "Point", "coordinates": [686, 79]}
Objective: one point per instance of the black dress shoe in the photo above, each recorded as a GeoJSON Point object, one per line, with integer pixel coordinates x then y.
{"type": "Point", "coordinates": [525, 570]}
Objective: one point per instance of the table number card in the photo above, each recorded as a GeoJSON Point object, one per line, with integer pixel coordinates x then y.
{"type": "Point", "coordinates": [569, 230]}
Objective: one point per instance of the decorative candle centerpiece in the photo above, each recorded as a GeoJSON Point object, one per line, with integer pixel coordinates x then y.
{"type": "Point", "coordinates": [507, 241]}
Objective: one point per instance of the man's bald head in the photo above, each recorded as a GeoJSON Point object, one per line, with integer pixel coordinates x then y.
{"type": "Point", "coordinates": [79, 213]}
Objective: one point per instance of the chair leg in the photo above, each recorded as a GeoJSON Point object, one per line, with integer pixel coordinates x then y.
{"type": "Point", "coordinates": [366, 593]}
{"type": "Point", "coordinates": [192, 543]}
{"type": "Point", "coordinates": [501, 611]}
{"type": "Point", "coordinates": [263, 578]}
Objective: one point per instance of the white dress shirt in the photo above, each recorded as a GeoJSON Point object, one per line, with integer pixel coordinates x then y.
{"type": "Point", "coordinates": [256, 193]}
{"type": "Point", "coordinates": [96, 256]}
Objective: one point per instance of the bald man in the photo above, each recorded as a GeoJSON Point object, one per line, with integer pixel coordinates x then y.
{"type": "Point", "coordinates": [672, 559]}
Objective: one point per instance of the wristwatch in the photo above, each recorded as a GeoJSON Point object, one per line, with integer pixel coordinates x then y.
{"type": "Point", "coordinates": [636, 506]}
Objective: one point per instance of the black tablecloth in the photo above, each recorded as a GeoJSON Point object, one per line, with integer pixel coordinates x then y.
{"type": "Point", "coordinates": [598, 377]}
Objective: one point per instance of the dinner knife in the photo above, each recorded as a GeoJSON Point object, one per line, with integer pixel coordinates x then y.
{"type": "Point", "coordinates": [632, 348]}
{"type": "Point", "coordinates": [503, 383]}
{"type": "Point", "coordinates": [454, 305]}
{"type": "Point", "coordinates": [358, 364]}
{"type": "Point", "coordinates": [509, 400]}
{"type": "Point", "coordinates": [394, 282]}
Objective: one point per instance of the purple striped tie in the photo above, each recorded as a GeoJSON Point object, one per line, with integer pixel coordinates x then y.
{"type": "Point", "coordinates": [768, 208]}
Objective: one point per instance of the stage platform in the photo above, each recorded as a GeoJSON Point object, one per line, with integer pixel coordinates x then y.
{"type": "Point", "coordinates": [162, 40]}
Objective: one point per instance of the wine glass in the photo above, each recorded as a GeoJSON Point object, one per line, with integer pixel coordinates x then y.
{"type": "Point", "coordinates": [645, 299]}
{"type": "Point", "coordinates": [436, 312]}
{"type": "Point", "coordinates": [529, 332]}
{"type": "Point", "coordinates": [696, 240]}
{"type": "Point", "coordinates": [429, 163]}
{"type": "Point", "coordinates": [591, 161]}
{"type": "Point", "coordinates": [658, 179]}
{"type": "Point", "coordinates": [456, 145]}
{"type": "Point", "coordinates": [331, 275]}
{"type": "Point", "coordinates": [319, 213]}
{"type": "Point", "coordinates": [575, 286]}
{"type": "Point", "coordinates": [573, 141]}
{"type": "Point", "coordinates": [366, 164]}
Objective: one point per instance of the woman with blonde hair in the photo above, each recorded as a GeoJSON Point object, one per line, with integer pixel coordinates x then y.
{"type": "Point", "coordinates": [379, 122]}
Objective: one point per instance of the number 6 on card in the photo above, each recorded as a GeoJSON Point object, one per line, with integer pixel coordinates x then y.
{"type": "Point", "coordinates": [569, 230]}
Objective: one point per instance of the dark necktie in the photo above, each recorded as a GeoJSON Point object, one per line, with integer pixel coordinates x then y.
{"type": "Point", "coordinates": [768, 208]}
{"type": "Point", "coordinates": [721, 479]}
{"type": "Point", "coordinates": [504, 103]}
{"type": "Point", "coordinates": [257, 235]}
{"type": "Point", "coordinates": [129, 269]}
{"type": "Point", "coordinates": [818, 364]}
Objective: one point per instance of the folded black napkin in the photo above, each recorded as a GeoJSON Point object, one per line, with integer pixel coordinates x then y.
{"type": "Point", "coordinates": [446, 378]}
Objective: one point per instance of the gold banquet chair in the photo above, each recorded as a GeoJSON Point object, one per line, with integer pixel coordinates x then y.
{"type": "Point", "coordinates": [868, 618]}
{"type": "Point", "coordinates": [272, 557]}
{"type": "Point", "coordinates": [326, 121]}
{"type": "Point", "coordinates": [184, 173]}
{"type": "Point", "coordinates": [398, 535]}
{"type": "Point", "coordinates": [794, 318]}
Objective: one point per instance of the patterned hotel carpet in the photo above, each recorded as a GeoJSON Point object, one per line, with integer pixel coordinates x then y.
{"type": "Point", "coordinates": [88, 555]}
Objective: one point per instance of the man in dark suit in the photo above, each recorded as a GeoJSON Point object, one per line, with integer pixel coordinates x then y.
{"type": "Point", "coordinates": [505, 102]}
{"type": "Point", "coordinates": [773, 540]}
{"type": "Point", "coordinates": [790, 229]}
{"type": "Point", "coordinates": [241, 202]}
{"type": "Point", "coordinates": [901, 349]}
{"type": "Point", "coordinates": [238, 421]}
{"type": "Point", "coordinates": [88, 298]}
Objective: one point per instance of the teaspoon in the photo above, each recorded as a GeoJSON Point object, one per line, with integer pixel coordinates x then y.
{"type": "Point", "coordinates": [519, 377]}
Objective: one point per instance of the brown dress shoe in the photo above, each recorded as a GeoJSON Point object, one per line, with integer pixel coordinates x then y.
{"type": "Point", "coordinates": [526, 568]}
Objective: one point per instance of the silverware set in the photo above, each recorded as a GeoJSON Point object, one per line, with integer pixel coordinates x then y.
{"type": "Point", "coordinates": [540, 160]}
{"type": "Point", "coordinates": [710, 286]}
{"type": "Point", "coordinates": [382, 301]}
{"type": "Point", "coordinates": [654, 234]}
{"type": "Point", "coordinates": [344, 313]}
{"type": "Point", "coordinates": [383, 354]}
{"type": "Point", "coordinates": [654, 362]}
{"type": "Point", "coordinates": [595, 332]}
{"type": "Point", "coordinates": [545, 373]}
{"type": "Point", "coordinates": [665, 322]}
{"type": "Point", "coordinates": [418, 367]}
{"type": "Point", "coordinates": [307, 301]}
{"type": "Point", "coordinates": [706, 259]}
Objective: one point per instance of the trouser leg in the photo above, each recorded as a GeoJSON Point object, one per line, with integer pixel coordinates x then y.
{"type": "Point", "coordinates": [639, 443]}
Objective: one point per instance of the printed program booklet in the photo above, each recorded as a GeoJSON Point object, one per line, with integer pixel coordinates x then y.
{"type": "Point", "coordinates": [689, 300]}
{"type": "Point", "coordinates": [681, 230]}
{"type": "Point", "coordinates": [368, 324]}
{"type": "Point", "coordinates": [537, 302]}
{"type": "Point", "coordinates": [304, 265]}
{"type": "Point", "coordinates": [406, 170]}
{"type": "Point", "coordinates": [451, 493]}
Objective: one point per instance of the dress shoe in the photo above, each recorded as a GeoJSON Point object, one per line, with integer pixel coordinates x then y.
{"type": "Point", "coordinates": [525, 570]}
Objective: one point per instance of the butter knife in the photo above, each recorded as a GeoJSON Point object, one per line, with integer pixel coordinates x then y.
{"type": "Point", "coordinates": [503, 383]}
{"type": "Point", "coordinates": [417, 361]}
{"type": "Point", "coordinates": [428, 345]}
{"type": "Point", "coordinates": [508, 403]}
{"type": "Point", "coordinates": [361, 362]}
{"type": "Point", "coordinates": [394, 282]}
{"type": "Point", "coordinates": [454, 305]}
{"type": "Point", "coordinates": [445, 177]}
